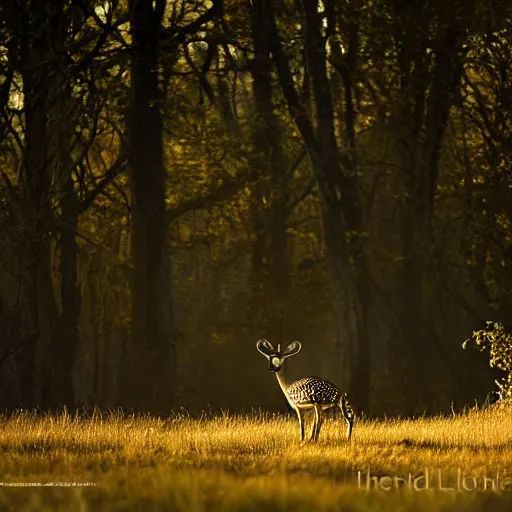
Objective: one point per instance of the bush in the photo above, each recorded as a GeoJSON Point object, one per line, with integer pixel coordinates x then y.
{"type": "Point", "coordinates": [498, 341]}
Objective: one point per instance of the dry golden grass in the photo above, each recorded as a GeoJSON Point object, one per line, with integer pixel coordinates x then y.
{"type": "Point", "coordinates": [248, 463]}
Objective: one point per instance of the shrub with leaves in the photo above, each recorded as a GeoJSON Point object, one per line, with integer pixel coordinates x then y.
{"type": "Point", "coordinates": [498, 341]}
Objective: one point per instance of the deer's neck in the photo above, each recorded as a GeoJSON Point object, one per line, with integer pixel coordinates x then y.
{"type": "Point", "coordinates": [283, 384]}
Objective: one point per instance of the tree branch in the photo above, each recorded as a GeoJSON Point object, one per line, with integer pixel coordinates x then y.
{"type": "Point", "coordinates": [179, 33]}
{"type": "Point", "coordinates": [225, 191]}
{"type": "Point", "coordinates": [116, 168]}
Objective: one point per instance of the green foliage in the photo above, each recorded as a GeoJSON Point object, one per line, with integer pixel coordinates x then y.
{"type": "Point", "coordinates": [498, 342]}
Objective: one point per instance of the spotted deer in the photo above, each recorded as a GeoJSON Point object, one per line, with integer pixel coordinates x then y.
{"type": "Point", "coordinates": [307, 393]}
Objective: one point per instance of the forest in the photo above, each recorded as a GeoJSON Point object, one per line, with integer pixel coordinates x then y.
{"type": "Point", "coordinates": [180, 178]}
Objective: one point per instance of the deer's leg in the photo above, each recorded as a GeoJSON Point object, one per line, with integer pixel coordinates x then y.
{"type": "Point", "coordinates": [318, 413]}
{"type": "Point", "coordinates": [319, 422]}
{"type": "Point", "coordinates": [313, 429]}
{"type": "Point", "coordinates": [300, 414]}
{"type": "Point", "coordinates": [348, 414]}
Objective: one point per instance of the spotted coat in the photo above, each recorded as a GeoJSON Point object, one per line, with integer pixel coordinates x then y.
{"type": "Point", "coordinates": [313, 390]}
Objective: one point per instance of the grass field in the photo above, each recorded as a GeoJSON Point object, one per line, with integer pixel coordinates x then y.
{"type": "Point", "coordinates": [254, 463]}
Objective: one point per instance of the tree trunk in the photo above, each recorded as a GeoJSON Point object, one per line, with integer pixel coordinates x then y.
{"type": "Point", "coordinates": [40, 310]}
{"type": "Point", "coordinates": [340, 198]}
{"type": "Point", "coordinates": [272, 173]}
{"type": "Point", "coordinates": [153, 342]}
{"type": "Point", "coordinates": [430, 89]}
{"type": "Point", "coordinates": [67, 335]}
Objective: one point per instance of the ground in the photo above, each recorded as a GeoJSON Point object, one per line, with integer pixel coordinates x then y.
{"type": "Point", "coordinates": [254, 463]}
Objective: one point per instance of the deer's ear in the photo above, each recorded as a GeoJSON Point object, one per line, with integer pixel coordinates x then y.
{"type": "Point", "coordinates": [292, 349]}
{"type": "Point", "coordinates": [265, 347]}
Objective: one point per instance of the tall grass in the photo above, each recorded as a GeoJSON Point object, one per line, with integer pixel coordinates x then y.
{"type": "Point", "coordinates": [248, 463]}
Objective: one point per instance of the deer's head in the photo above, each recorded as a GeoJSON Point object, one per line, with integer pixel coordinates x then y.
{"type": "Point", "coordinates": [276, 357]}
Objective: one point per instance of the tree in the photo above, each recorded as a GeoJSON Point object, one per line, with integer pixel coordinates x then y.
{"type": "Point", "coordinates": [50, 49]}
{"type": "Point", "coordinates": [153, 330]}
{"type": "Point", "coordinates": [273, 172]}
